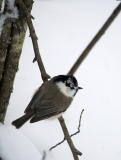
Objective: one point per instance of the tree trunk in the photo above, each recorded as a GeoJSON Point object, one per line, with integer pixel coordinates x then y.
{"type": "Point", "coordinates": [11, 43]}
{"type": "Point", "coordinates": [1, 1]}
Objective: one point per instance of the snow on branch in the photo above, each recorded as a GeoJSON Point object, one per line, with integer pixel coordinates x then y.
{"type": "Point", "coordinates": [2, 5]}
{"type": "Point", "coordinates": [12, 14]}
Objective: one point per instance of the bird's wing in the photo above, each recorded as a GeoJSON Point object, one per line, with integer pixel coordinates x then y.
{"type": "Point", "coordinates": [44, 103]}
{"type": "Point", "coordinates": [44, 113]}
{"type": "Point", "coordinates": [46, 108]}
{"type": "Point", "coordinates": [36, 97]}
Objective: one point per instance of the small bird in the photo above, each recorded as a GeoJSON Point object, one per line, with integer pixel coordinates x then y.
{"type": "Point", "coordinates": [50, 100]}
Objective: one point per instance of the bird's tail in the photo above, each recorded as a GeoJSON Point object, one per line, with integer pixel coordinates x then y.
{"type": "Point", "coordinates": [20, 121]}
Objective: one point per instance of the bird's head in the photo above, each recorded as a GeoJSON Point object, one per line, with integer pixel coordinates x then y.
{"type": "Point", "coordinates": [67, 84]}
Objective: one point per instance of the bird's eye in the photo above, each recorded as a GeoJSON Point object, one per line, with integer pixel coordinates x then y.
{"type": "Point", "coordinates": [71, 86]}
{"type": "Point", "coordinates": [69, 81]}
{"type": "Point", "coordinates": [67, 84]}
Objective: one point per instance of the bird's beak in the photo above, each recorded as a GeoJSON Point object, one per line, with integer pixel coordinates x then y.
{"type": "Point", "coordinates": [80, 88]}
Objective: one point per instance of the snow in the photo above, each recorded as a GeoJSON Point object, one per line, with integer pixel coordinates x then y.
{"type": "Point", "coordinates": [2, 6]}
{"type": "Point", "coordinates": [13, 14]}
{"type": "Point", "coordinates": [10, 3]}
{"type": "Point", "coordinates": [15, 146]}
{"type": "Point", "coordinates": [64, 28]}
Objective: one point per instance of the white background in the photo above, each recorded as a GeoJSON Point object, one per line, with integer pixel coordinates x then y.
{"type": "Point", "coordinates": [64, 28]}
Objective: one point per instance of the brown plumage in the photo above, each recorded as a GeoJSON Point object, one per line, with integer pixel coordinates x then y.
{"type": "Point", "coordinates": [44, 104]}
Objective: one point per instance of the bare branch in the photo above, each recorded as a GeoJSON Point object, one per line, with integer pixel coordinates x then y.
{"type": "Point", "coordinates": [1, 158]}
{"type": "Point", "coordinates": [45, 76]}
{"type": "Point", "coordinates": [34, 38]}
{"type": "Point", "coordinates": [78, 131]}
{"type": "Point", "coordinates": [96, 38]}
{"type": "Point", "coordinates": [44, 155]}
{"type": "Point", "coordinates": [74, 151]}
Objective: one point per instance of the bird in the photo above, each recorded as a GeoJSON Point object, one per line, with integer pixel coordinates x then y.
{"type": "Point", "coordinates": [50, 100]}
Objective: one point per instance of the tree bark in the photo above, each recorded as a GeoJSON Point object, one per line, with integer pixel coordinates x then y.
{"type": "Point", "coordinates": [1, 1]}
{"type": "Point", "coordinates": [11, 40]}
{"type": "Point", "coordinates": [4, 41]}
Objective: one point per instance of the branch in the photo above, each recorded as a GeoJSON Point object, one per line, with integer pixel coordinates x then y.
{"type": "Point", "coordinates": [45, 76]}
{"type": "Point", "coordinates": [38, 58]}
{"type": "Point", "coordinates": [86, 52]}
{"type": "Point", "coordinates": [96, 38]}
{"type": "Point", "coordinates": [78, 131]}
{"type": "Point", "coordinates": [74, 151]}
{"type": "Point", "coordinates": [44, 155]}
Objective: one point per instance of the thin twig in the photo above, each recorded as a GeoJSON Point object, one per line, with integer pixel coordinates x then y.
{"type": "Point", "coordinates": [78, 131]}
{"type": "Point", "coordinates": [96, 38]}
{"type": "Point", "coordinates": [44, 155]}
{"type": "Point", "coordinates": [38, 58]}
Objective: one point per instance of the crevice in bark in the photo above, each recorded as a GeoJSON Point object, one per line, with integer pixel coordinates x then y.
{"type": "Point", "coordinates": [4, 42]}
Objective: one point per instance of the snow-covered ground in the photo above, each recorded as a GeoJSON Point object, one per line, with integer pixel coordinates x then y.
{"type": "Point", "coordinates": [14, 145]}
{"type": "Point", "coordinates": [64, 28]}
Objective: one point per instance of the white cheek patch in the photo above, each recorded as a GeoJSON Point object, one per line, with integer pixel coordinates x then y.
{"type": "Point", "coordinates": [66, 90]}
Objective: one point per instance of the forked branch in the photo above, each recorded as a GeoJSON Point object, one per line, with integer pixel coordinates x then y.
{"type": "Point", "coordinates": [78, 131]}
{"type": "Point", "coordinates": [45, 76]}
{"type": "Point", "coordinates": [84, 54]}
